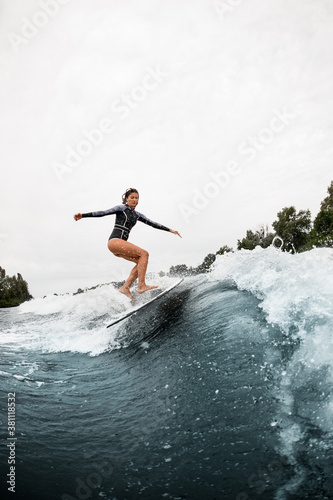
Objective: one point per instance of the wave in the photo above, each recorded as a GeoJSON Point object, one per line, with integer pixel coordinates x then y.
{"type": "Point", "coordinates": [294, 289]}
{"type": "Point", "coordinates": [75, 322]}
{"type": "Point", "coordinates": [292, 297]}
{"type": "Point", "coordinates": [295, 293]}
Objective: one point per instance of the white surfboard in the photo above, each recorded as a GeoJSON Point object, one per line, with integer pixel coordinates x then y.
{"type": "Point", "coordinates": [134, 311]}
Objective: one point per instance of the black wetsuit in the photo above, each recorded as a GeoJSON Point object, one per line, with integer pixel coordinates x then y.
{"type": "Point", "coordinates": [126, 219]}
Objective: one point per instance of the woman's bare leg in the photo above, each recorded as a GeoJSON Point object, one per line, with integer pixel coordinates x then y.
{"type": "Point", "coordinates": [133, 253]}
{"type": "Point", "coordinates": [125, 289]}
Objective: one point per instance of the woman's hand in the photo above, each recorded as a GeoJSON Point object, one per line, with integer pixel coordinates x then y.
{"type": "Point", "coordinates": [78, 216]}
{"type": "Point", "coordinates": [175, 232]}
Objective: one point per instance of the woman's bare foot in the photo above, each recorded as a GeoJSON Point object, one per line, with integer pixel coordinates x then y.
{"type": "Point", "coordinates": [145, 288]}
{"type": "Point", "coordinates": [127, 292]}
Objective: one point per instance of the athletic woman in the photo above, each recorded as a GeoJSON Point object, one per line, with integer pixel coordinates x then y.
{"type": "Point", "coordinates": [126, 218]}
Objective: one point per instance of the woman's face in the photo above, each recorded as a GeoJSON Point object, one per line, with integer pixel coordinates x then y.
{"type": "Point", "coordinates": [132, 200]}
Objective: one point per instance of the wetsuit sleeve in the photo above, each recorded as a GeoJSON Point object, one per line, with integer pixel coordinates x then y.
{"type": "Point", "coordinates": [102, 213]}
{"type": "Point", "coordinates": [149, 222]}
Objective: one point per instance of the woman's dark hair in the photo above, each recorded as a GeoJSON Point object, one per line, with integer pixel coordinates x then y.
{"type": "Point", "coordinates": [128, 192]}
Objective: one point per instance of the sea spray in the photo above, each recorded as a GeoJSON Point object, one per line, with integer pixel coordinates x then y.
{"type": "Point", "coordinates": [295, 292]}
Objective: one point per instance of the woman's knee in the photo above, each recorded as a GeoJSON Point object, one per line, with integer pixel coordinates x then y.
{"type": "Point", "coordinates": [112, 247]}
{"type": "Point", "coordinates": [145, 254]}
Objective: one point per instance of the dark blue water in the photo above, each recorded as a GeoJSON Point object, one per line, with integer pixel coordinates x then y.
{"type": "Point", "coordinates": [203, 396]}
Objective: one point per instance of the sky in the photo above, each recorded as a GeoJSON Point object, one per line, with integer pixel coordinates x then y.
{"type": "Point", "coordinates": [219, 112]}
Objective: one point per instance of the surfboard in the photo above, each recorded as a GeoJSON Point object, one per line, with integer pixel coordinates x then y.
{"type": "Point", "coordinates": [134, 311]}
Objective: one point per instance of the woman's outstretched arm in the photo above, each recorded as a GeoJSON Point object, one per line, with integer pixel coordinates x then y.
{"type": "Point", "coordinates": [156, 225]}
{"type": "Point", "coordinates": [102, 213]}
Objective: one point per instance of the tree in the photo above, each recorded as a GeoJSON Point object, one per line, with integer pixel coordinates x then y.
{"type": "Point", "coordinates": [179, 270]}
{"type": "Point", "coordinates": [294, 228]}
{"type": "Point", "coordinates": [250, 241]}
{"type": "Point", "coordinates": [207, 262]}
{"type": "Point", "coordinates": [261, 237]}
{"type": "Point", "coordinates": [322, 234]}
{"type": "Point", "coordinates": [327, 203]}
{"type": "Point", "coordinates": [223, 250]}
{"type": "Point", "coordinates": [183, 270]}
{"type": "Point", "coordinates": [13, 291]}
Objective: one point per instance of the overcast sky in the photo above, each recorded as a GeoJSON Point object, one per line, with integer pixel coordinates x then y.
{"type": "Point", "coordinates": [219, 112]}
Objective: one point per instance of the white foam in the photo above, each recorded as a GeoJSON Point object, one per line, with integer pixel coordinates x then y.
{"type": "Point", "coordinates": [104, 299]}
{"type": "Point", "coordinates": [73, 323]}
{"type": "Point", "coordinates": [296, 294]}
{"type": "Point", "coordinates": [292, 288]}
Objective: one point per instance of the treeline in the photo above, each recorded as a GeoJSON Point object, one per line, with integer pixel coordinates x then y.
{"type": "Point", "coordinates": [13, 290]}
{"type": "Point", "coordinates": [294, 232]}
{"type": "Point", "coordinates": [183, 270]}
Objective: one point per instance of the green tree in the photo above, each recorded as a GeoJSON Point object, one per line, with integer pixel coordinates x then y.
{"type": "Point", "coordinates": [322, 234]}
{"type": "Point", "coordinates": [294, 228]}
{"type": "Point", "coordinates": [261, 237]}
{"type": "Point", "coordinates": [223, 250]}
{"type": "Point", "coordinates": [207, 262]}
{"type": "Point", "coordinates": [13, 290]}
{"type": "Point", "coordinates": [179, 270]}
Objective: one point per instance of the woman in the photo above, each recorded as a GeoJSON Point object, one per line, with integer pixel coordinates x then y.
{"type": "Point", "coordinates": [126, 218]}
